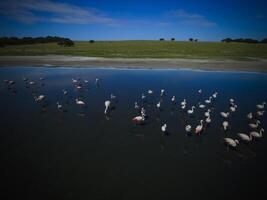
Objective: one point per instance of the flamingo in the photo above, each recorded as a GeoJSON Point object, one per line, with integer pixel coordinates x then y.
{"type": "Point", "coordinates": [208, 120]}
{"type": "Point", "coordinates": [74, 81]}
{"type": "Point", "coordinates": [158, 105]}
{"type": "Point", "coordinates": [112, 96]}
{"type": "Point", "coordinates": [96, 81]}
{"type": "Point", "coordinates": [150, 92]}
{"type": "Point", "coordinates": [183, 107]}
{"type": "Point", "coordinates": [136, 105]}
{"type": "Point", "coordinates": [260, 113]}
{"type": "Point", "coordinates": [231, 142]}
{"type": "Point", "coordinates": [199, 128]}
{"type": "Point", "coordinates": [253, 126]}
{"type": "Point", "coordinates": [79, 87]}
{"type": "Point", "coordinates": [139, 119]}
{"type": "Point", "coordinates": [31, 82]}
{"type": "Point", "coordinates": [215, 95]}
{"type": "Point", "coordinates": [39, 98]}
{"type": "Point", "coordinates": [191, 111]}
{"type": "Point", "coordinates": [183, 103]}
{"type": "Point", "coordinates": [231, 101]}
{"type": "Point", "coordinates": [143, 111]}
{"type": "Point", "coordinates": [208, 101]}
{"type": "Point", "coordinates": [59, 106]}
{"type": "Point", "coordinates": [188, 128]}
{"type": "Point", "coordinates": [233, 108]}
{"type": "Point", "coordinates": [164, 128]}
{"type": "Point", "coordinates": [79, 102]}
{"type": "Point", "coordinates": [225, 115]}
{"type": "Point", "coordinates": [199, 91]}
{"type": "Point", "coordinates": [201, 105]}
{"type": "Point", "coordinates": [65, 92]}
{"type": "Point", "coordinates": [249, 116]}
{"type": "Point", "coordinates": [245, 137]}
{"type": "Point", "coordinates": [225, 125]}
{"type": "Point", "coordinates": [173, 99]}
{"type": "Point", "coordinates": [162, 91]}
{"type": "Point", "coordinates": [107, 105]}
{"type": "Point", "coordinates": [86, 81]}
{"type": "Point", "coordinates": [143, 96]}
{"type": "Point", "coordinates": [207, 114]}
{"type": "Point", "coordinates": [256, 134]}
{"type": "Point", "coordinates": [261, 106]}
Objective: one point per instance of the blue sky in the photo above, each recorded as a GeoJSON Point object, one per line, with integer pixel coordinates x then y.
{"type": "Point", "coordinates": [134, 19]}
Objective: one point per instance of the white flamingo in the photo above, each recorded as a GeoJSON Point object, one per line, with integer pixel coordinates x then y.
{"type": "Point", "coordinates": [59, 106]}
{"type": "Point", "coordinates": [225, 125]}
{"type": "Point", "coordinates": [245, 137]}
{"type": "Point", "coordinates": [79, 102]}
{"type": "Point", "coordinates": [74, 81]}
{"type": "Point", "coordinates": [256, 134]}
{"type": "Point", "coordinates": [201, 105]}
{"type": "Point", "coordinates": [208, 101]}
{"type": "Point", "coordinates": [208, 120]}
{"type": "Point", "coordinates": [188, 128]}
{"type": "Point", "coordinates": [199, 128]}
{"type": "Point", "coordinates": [158, 105]}
{"type": "Point", "coordinates": [225, 115]}
{"type": "Point", "coordinates": [107, 105]}
{"type": "Point", "coordinates": [162, 92]}
{"type": "Point", "coordinates": [150, 92]}
{"type": "Point", "coordinates": [199, 91]}
{"type": "Point", "coordinates": [261, 106]}
{"type": "Point", "coordinates": [231, 142]}
{"type": "Point", "coordinates": [136, 105]}
{"type": "Point", "coordinates": [260, 113]}
{"type": "Point", "coordinates": [253, 126]}
{"type": "Point", "coordinates": [191, 111]}
{"type": "Point", "coordinates": [164, 128]}
{"type": "Point", "coordinates": [173, 99]}
{"type": "Point", "coordinates": [215, 95]}
{"type": "Point", "coordinates": [143, 112]}
{"type": "Point", "coordinates": [65, 92]}
{"type": "Point", "coordinates": [207, 114]}
{"type": "Point", "coordinates": [143, 96]}
{"type": "Point", "coordinates": [139, 119]}
{"type": "Point", "coordinates": [183, 107]}
{"type": "Point", "coordinates": [39, 98]}
{"type": "Point", "coordinates": [183, 103]}
{"type": "Point", "coordinates": [249, 116]}
{"type": "Point", "coordinates": [112, 96]}
{"type": "Point", "coordinates": [233, 108]}
{"type": "Point", "coordinates": [96, 81]}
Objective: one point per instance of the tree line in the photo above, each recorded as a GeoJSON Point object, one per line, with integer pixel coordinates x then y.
{"type": "Point", "coordinates": [244, 40]}
{"type": "Point", "coordinates": [4, 41]}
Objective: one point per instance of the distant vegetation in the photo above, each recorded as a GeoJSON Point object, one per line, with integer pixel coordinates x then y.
{"type": "Point", "coordinates": [4, 41]}
{"type": "Point", "coordinates": [145, 49]}
{"type": "Point", "coordinates": [245, 40]}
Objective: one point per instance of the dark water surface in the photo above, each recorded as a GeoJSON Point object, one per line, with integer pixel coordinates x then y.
{"type": "Point", "coordinates": [79, 153]}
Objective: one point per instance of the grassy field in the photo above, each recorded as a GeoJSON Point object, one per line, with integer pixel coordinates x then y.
{"type": "Point", "coordinates": [145, 49]}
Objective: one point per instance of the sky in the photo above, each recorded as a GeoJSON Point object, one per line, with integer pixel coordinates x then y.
{"type": "Point", "coordinates": [206, 20]}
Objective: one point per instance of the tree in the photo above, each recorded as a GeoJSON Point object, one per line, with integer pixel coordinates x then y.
{"type": "Point", "coordinates": [91, 41]}
{"type": "Point", "coordinates": [161, 39]}
{"type": "Point", "coordinates": [227, 40]}
{"type": "Point", "coordinates": [191, 39]}
{"type": "Point", "coordinates": [172, 39]}
{"type": "Point", "coordinates": [264, 40]}
{"type": "Point", "coordinates": [196, 40]}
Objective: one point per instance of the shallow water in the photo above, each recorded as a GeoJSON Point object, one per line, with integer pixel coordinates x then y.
{"type": "Point", "coordinates": [79, 153]}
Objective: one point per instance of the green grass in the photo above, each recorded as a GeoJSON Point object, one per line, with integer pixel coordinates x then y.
{"type": "Point", "coordinates": [145, 49]}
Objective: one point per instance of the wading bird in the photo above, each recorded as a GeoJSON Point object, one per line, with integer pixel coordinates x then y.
{"type": "Point", "coordinates": [225, 125]}
{"type": "Point", "coordinates": [256, 134]}
{"type": "Point", "coordinates": [253, 126]}
{"type": "Point", "coordinates": [231, 142]}
{"type": "Point", "coordinates": [199, 128]}
{"type": "Point", "coordinates": [188, 128]}
{"type": "Point", "coordinates": [107, 105]}
{"type": "Point", "coordinates": [191, 111]}
{"type": "Point", "coordinates": [261, 106]}
{"type": "Point", "coordinates": [245, 137]}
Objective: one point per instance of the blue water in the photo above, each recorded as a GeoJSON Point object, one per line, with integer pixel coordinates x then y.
{"type": "Point", "coordinates": [79, 153]}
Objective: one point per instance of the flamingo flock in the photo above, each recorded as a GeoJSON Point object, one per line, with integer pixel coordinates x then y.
{"type": "Point", "coordinates": [255, 130]}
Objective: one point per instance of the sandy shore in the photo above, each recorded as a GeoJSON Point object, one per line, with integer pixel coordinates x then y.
{"type": "Point", "coordinates": [259, 65]}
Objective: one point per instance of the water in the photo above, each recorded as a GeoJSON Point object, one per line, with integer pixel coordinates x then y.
{"type": "Point", "coordinates": [80, 153]}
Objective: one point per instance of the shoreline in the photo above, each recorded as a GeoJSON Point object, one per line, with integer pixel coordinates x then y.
{"type": "Point", "coordinates": [259, 65]}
